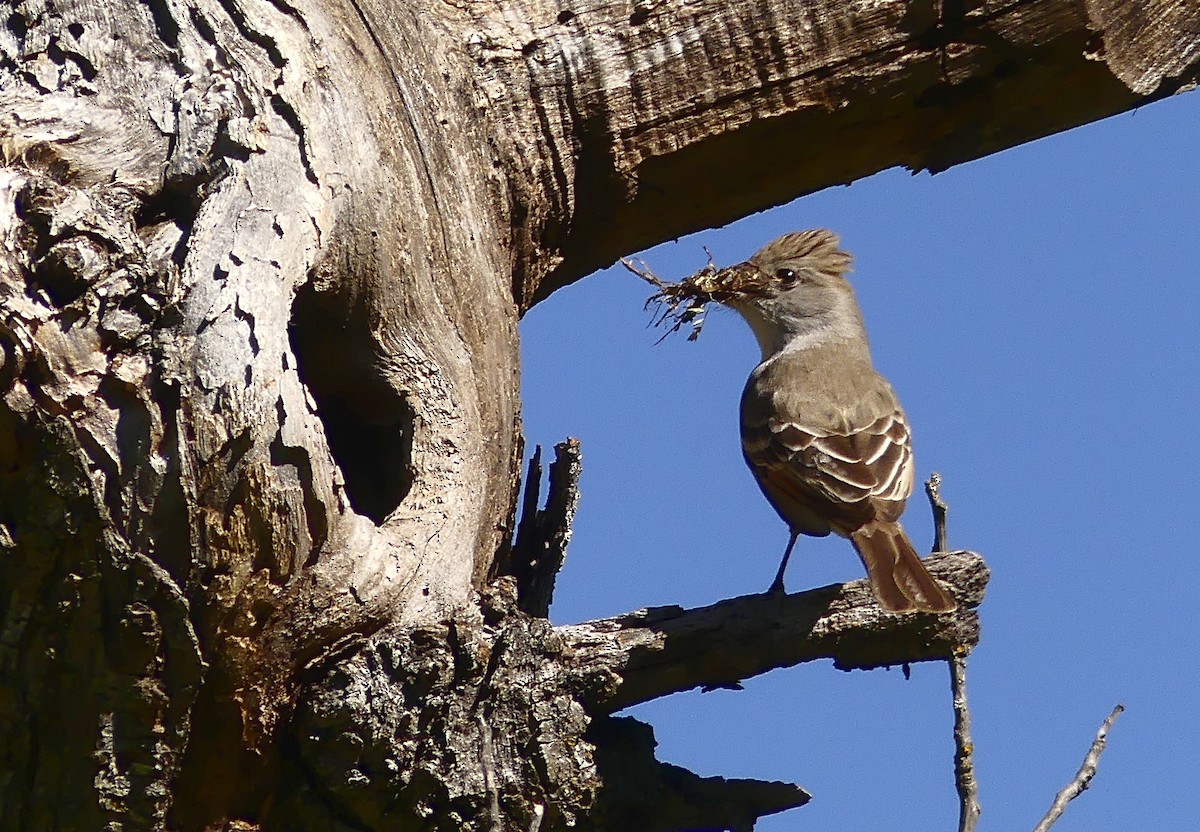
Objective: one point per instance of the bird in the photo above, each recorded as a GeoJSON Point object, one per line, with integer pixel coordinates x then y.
{"type": "Point", "coordinates": [822, 431]}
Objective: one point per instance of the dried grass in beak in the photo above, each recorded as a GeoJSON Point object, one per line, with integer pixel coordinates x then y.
{"type": "Point", "coordinates": [685, 302]}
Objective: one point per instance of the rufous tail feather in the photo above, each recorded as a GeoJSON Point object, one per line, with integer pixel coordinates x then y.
{"type": "Point", "coordinates": [900, 581]}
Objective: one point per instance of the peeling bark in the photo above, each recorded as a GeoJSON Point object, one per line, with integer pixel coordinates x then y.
{"type": "Point", "coordinates": [261, 266]}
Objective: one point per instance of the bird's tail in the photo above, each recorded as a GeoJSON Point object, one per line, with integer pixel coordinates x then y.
{"type": "Point", "coordinates": [900, 581]}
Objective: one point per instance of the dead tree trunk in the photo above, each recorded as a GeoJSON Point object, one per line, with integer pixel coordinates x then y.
{"type": "Point", "coordinates": [261, 266]}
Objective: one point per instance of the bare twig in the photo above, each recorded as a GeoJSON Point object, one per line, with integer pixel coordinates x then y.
{"type": "Point", "coordinates": [643, 271]}
{"type": "Point", "coordinates": [1083, 777]}
{"type": "Point", "coordinates": [964, 746]}
{"type": "Point", "coordinates": [933, 490]}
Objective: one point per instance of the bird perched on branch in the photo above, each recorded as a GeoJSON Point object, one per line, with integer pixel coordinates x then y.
{"type": "Point", "coordinates": [822, 431]}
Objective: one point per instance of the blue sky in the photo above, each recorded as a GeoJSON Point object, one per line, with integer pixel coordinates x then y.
{"type": "Point", "coordinates": [1038, 312]}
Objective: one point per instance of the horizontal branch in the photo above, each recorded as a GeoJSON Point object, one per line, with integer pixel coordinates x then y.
{"type": "Point", "coordinates": [684, 116]}
{"type": "Point", "coordinates": [655, 652]}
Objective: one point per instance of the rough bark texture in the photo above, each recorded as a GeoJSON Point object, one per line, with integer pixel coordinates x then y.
{"type": "Point", "coordinates": [659, 118]}
{"type": "Point", "coordinates": [261, 265]}
{"type": "Point", "coordinates": [495, 718]}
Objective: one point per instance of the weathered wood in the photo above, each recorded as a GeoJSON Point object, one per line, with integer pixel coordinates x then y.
{"type": "Point", "coordinates": [658, 118]}
{"type": "Point", "coordinates": [261, 265]}
{"type": "Point", "coordinates": [497, 718]}
{"type": "Point", "coordinates": [665, 650]}
{"type": "Point", "coordinates": [230, 259]}
{"type": "Point", "coordinates": [540, 546]}
{"type": "Point", "coordinates": [480, 724]}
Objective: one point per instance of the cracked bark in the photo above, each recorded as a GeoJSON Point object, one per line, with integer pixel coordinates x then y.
{"type": "Point", "coordinates": [261, 265]}
{"type": "Point", "coordinates": [539, 699]}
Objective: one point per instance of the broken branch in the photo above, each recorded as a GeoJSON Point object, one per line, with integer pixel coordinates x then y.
{"type": "Point", "coordinates": [933, 490]}
{"type": "Point", "coordinates": [543, 534]}
{"type": "Point", "coordinates": [652, 653]}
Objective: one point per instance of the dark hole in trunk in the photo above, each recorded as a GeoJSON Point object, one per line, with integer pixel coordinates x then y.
{"type": "Point", "coordinates": [368, 423]}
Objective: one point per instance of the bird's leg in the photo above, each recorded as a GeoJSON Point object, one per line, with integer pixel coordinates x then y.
{"type": "Point", "coordinates": [777, 586]}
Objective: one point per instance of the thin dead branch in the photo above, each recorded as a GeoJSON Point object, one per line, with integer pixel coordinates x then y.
{"type": "Point", "coordinates": [964, 747]}
{"type": "Point", "coordinates": [933, 490]}
{"type": "Point", "coordinates": [1083, 777]}
{"type": "Point", "coordinates": [965, 782]}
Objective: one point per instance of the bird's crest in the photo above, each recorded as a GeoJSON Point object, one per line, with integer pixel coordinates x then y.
{"type": "Point", "coordinates": [818, 248]}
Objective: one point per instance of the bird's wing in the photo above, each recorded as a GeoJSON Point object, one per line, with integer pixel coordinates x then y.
{"type": "Point", "coordinates": [843, 472]}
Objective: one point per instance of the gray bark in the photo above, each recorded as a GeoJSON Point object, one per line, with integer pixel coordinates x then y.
{"type": "Point", "coordinates": [517, 714]}
{"type": "Point", "coordinates": [261, 266]}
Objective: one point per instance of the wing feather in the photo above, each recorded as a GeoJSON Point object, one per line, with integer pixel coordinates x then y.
{"type": "Point", "coordinates": [842, 475]}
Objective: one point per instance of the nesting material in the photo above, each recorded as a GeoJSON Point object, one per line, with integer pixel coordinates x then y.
{"type": "Point", "coordinates": [685, 303]}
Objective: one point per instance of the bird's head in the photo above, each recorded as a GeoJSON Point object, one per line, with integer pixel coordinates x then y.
{"type": "Point", "coordinates": [794, 286]}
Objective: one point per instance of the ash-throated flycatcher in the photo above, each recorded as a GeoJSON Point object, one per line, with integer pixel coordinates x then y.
{"type": "Point", "coordinates": [821, 430]}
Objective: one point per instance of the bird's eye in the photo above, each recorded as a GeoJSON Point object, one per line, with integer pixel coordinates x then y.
{"type": "Point", "coordinates": [787, 276]}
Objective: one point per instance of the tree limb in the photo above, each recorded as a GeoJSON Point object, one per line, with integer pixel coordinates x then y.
{"type": "Point", "coordinates": [385, 733]}
{"type": "Point", "coordinates": [655, 652]}
{"type": "Point", "coordinates": [401, 714]}
{"type": "Point", "coordinates": [1083, 777]}
{"type": "Point", "coordinates": [682, 116]}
